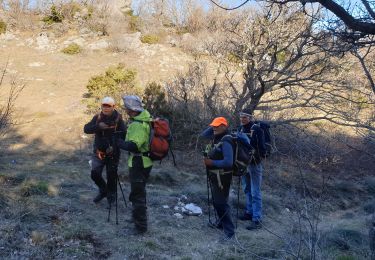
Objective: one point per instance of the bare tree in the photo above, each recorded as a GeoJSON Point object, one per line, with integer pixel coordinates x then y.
{"type": "Point", "coordinates": [8, 101]}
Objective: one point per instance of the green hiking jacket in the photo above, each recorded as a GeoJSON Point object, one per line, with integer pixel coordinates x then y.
{"type": "Point", "coordinates": [139, 133]}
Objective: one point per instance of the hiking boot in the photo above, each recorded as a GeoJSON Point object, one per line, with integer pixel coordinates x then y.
{"type": "Point", "coordinates": [226, 239]}
{"type": "Point", "coordinates": [215, 225]}
{"type": "Point", "coordinates": [101, 195]}
{"type": "Point", "coordinates": [254, 225]}
{"type": "Point", "coordinates": [138, 231]}
{"type": "Point", "coordinates": [246, 216]}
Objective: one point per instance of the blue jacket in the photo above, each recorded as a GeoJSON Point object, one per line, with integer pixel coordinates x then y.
{"type": "Point", "coordinates": [225, 149]}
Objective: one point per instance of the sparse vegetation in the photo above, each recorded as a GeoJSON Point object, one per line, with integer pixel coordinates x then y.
{"type": "Point", "coordinates": [72, 49]}
{"type": "Point", "coordinates": [55, 16]}
{"type": "Point", "coordinates": [150, 39]}
{"type": "Point", "coordinates": [30, 188]}
{"type": "Point", "coordinates": [114, 82]}
{"type": "Point", "coordinates": [3, 27]}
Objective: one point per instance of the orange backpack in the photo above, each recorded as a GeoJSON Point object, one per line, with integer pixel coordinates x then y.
{"type": "Point", "coordinates": [160, 139]}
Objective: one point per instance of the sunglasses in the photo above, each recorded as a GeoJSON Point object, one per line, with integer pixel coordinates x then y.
{"type": "Point", "coordinates": [106, 105]}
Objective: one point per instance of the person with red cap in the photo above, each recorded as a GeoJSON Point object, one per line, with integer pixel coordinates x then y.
{"type": "Point", "coordinates": [219, 164]}
{"type": "Point", "coordinates": [107, 127]}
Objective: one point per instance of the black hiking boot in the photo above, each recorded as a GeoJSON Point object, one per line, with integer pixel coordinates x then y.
{"type": "Point", "coordinates": [246, 216]}
{"type": "Point", "coordinates": [254, 225]}
{"type": "Point", "coordinates": [101, 195]}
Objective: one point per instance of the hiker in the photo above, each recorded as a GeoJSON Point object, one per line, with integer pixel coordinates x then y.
{"type": "Point", "coordinates": [252, 180]}
{"type": "Point", "coordinates": [219, 164]}
{"type": "Point", "coordinates": [137, 143]}
{"type": "Point", "coordinates": [107, 127]}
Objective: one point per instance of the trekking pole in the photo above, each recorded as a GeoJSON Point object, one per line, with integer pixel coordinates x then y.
{"type": "Point", "coordinates": [208, 197]}
{"type": "Point", "coordinates": [109, 212]}
{"type": "Point", "coordinates": [116, 206]}
{"type": "Point", "coordinates": [122, 192]}
{"type": "Point", "coordinates": [238, 198]}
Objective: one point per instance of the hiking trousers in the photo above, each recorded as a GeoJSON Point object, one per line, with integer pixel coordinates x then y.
{"type": "Point", "coordinates": [251, 184]}
{"type": "Point", "coordinates": [220, 197]}
{"type": "Point", "coordinates": [97, 166]}
{"type": "Point", "coordinates": [138, 177]}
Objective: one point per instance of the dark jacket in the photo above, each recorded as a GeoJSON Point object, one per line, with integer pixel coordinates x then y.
{"type": "Point", "coordinates": [257, 141]}
{"type": "Point", "coordinates": [222, 151]}
{"type": "Point", "coordinates": [106, 138]}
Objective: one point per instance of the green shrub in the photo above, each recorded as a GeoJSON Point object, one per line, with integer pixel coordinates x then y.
{"type": "Point", "coordinates": [3, 27]}
{"type": "Point", "coordinates": [114, 82]}
{"type": "Point", "coordinates": [149, 38]}
{"type": "Point", "coordinates": [30, 188]}
{"type": "Point", "coordinates": [55, 16]}
{"type": "Point", "coordinates": [155, 101]}
{"type": "Point", "coordinates": [72, 48]}
{"type": "Point", "coordinates": [135, 23]}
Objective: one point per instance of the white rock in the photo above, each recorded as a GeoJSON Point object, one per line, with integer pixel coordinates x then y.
{"type": "Point", "coordinates": [8, 36]}
{"type": "Point", "coordinates": [165, 207]}
{"type": "Point", "coordinates": [29, 41]}
{"type": "Point", "coordinates": [178, 215]}
{"type": "Point", "coordinates": [193, 209]}
{"type": "Point", "coordinates": [101, 44]}
{"type": "Point", "coordinates": [42, 41]}
{"type": "Point", "coordinates": [127, 42]}
{"type": "Point", "coordinates": [287, 210]}
{"type": "Point", "coordinates": [36, 64]}
{"type": "Point", "coordinates": [77, 40]}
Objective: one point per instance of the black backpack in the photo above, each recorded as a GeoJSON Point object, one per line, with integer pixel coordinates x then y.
{"type": "Point", "coordinates": [242, 152]}
{"type": "Point", "coordinates": [268, 138]}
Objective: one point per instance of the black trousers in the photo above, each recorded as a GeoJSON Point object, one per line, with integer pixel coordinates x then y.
{"type": "Point", "coordinates": [220, 196]}
{"type": "Point", "coordinates": [138, 177]}
{"type": "Point", "coordinates": [97, 167]}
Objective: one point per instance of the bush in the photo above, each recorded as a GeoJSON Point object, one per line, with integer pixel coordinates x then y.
{"type": "Point", "coordinates": [68, 10]}
{"type": "Point", "coordinates": [149, 38]}
{"type": "Point", "coordinates": [71, 49]}
{"type": "Point", "coordinates": [55, 16]}
{"type": "Point", "coordinates": [114, 82]}
{"type": "Point", "coordinates": [155, 101]}
{"type": "Point", "coordinates": [30, 188]}
{"type": "Point", "coordinates": [3, 27]}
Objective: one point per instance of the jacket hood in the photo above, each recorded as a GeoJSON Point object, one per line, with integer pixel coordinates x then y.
{"type": "Point", "coordinates": [144, 116]}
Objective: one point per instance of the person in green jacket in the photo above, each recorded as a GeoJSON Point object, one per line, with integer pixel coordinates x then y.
{"type": "Point", "coordinates": [137, 143]}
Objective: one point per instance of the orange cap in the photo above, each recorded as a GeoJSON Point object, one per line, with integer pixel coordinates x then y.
{"type": "Point", "coordinates": [219, 121]}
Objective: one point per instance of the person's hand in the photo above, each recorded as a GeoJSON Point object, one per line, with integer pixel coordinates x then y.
{"type": "Point", "coordinates": [207, 162]}
{"type": "Point", "coordinates": [102, 125]}
{"type": "Point", "coordinates": [109, 150]}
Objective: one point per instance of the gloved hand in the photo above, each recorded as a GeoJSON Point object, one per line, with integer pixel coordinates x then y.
{"type": "Point", "coordinates": [109, 150]}
{"type": "Point", "coordinates": [102, 125]}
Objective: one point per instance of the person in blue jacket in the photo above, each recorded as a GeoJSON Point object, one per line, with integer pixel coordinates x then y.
{"type": "Point", "coordinates": [219, 164]}
{"type": "Point", "coordinates": [252, 180]}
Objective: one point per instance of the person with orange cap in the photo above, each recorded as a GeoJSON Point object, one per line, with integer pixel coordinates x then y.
{"type": "Point", "coordinates": [107, 127]}
{"type": "Point", "coordinates": [219, 164]}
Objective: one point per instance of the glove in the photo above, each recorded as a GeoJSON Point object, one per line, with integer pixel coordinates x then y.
{"type": "Point", "coordinates": [109, 150]}
{"type": "Point", "coordinates": [102, 125]}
